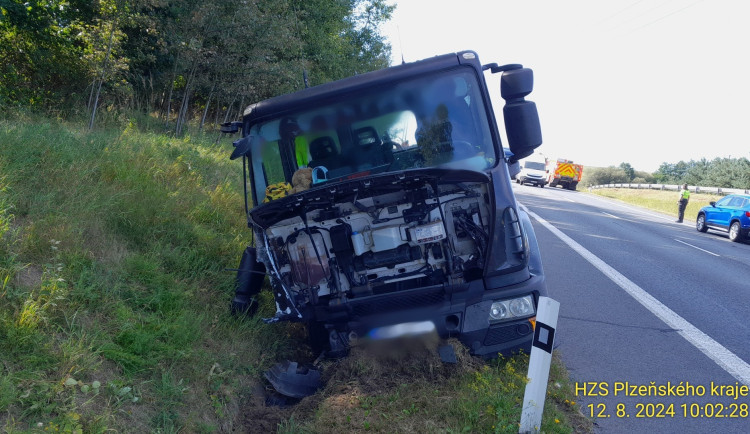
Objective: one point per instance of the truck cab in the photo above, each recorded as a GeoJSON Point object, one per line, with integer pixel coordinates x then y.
{"type": "Point", "coordinates": [383, 207]}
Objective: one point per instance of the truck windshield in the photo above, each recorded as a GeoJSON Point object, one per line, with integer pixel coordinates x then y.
{"type": "Point", "coordinates": [428, 121]}
{"type": "Point", "coordinates": [534, 165]}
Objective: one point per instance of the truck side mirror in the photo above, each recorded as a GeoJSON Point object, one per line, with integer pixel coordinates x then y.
{"type": "Point", "coordinates": [521, 116]}
{"type": "Point", "coordinates": [231, 127]}
{"type": "Point", "coordinates": [241, 147]}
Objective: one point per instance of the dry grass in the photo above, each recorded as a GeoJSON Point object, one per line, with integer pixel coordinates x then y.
{"type": "Point", "coordinates": [658, 200]}
{"type": "Point", "coordinates": [412, 391]}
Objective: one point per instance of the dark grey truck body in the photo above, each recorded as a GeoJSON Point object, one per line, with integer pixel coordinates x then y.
{"type": "Point", "coordinates": [410, 225]}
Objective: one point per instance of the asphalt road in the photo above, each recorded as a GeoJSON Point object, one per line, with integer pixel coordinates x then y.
{"type": "Point", "coordinates": [645, 301]}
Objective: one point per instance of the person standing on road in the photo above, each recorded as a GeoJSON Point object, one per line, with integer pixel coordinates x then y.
{"type": "Point", "coordinates": [682, 202]}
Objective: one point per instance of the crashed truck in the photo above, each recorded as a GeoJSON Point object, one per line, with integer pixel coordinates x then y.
{"type": "Point", "coordinates": [408, 224]}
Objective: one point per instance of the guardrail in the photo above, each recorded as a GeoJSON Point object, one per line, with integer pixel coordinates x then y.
{"type": "Point", "coordinates": [676, 187]}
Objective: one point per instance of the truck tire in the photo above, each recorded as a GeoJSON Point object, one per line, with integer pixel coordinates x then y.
{"type": "Point", "coordinates": [249, 282]}
{"type": "Point", "coordinates": [572, 186]}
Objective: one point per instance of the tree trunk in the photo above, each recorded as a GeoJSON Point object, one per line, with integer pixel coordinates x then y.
{"type": "Point", "coordinates": [181, 116]}
{"type": "Point", "coordinates": [101, 77]}
{"type": "Point", "coordinates": [226, 116]}
{"type": "Point", "coordinates": [242, 106]}
{"type": "Point", "coordinates": [91, 97]}
{"type": "Point", "coordinates": [208, 102]}
{"type": "Point", "coordinates": [217, 111]}
{"type": "Point", "coordinates": [229, 109]}
{"type": "Point", "coordinates": [171, 91]}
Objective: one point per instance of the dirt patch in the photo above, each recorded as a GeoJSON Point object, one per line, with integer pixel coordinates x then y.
{"type": "Point", "coordinates": [381, 367]}
{"type": "Point", "coordinates": [262, 412]}
{"type": "Point", "coordinates": [347, 383]}
{"type": "Point", "coordinates": [29, 276]}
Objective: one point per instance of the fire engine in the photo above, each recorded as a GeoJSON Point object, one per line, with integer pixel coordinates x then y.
{"type": "Point", "coordinates": [563, 172]}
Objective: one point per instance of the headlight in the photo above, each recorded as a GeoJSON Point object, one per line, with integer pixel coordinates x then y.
{"type": "Point", "coordinates": [520, 307]}
{"type": "Point", "coordinates": [498, 311]}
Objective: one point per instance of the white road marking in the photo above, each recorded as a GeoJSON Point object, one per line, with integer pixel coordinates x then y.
{"type": "Point", "coordinates": [726, 359]}
{"type": "Point", "coordinates": [696, 247]}
{"type": "Point", "coordinates": [611, 215]}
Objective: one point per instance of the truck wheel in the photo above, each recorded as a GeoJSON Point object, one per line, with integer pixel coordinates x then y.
{"type": "Point", "coordinates": [317, 337]}
{"type": "Point", "coordinates": [734, 232]}
{"type": "Point", "coordinates": [572, 186]}
{"type": "Point", "coordinates": [249, 282]}
{"type": "Point", "coordinates": [700, 223]}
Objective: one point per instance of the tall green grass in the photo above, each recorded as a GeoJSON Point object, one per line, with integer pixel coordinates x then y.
{"type": "Point", "coordinates": [113, 246]}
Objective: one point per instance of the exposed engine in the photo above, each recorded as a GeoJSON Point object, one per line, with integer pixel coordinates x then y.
{"type": "Point", "coordinates": [376, 241]}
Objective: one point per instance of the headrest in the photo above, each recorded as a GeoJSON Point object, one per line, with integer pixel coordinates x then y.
{"type": "Point", "coordinates": [323, 147]}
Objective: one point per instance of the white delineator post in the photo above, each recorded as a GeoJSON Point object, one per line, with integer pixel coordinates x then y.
{"type": "Point", "coordinates": [539, 363]}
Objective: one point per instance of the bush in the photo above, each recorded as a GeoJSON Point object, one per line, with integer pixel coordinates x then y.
{"type": "Point", "coordinates": [604, 175]}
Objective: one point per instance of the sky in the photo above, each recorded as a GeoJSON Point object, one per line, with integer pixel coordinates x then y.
{"type": "Point", "coordinates": [636, 81]}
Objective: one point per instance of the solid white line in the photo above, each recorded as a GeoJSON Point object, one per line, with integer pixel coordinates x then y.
{"type": "Point", "coordinates": [611, 215]}
{"type": "Point", "coordinates": [726, 359]}
{"type": "Point", "coordinates": [696, 247]}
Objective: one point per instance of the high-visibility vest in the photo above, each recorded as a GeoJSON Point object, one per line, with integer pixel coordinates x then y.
{"type": "Point", "coordinates": [301, 151]}
{"type": "Point", "coordinates": [686, 194]}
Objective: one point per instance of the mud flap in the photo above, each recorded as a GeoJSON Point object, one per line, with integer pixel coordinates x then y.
{"type": "Point", "coordinates": [289, 379]}
{"type": "Point", "coordinates": [249, 282]}
{"type": "Point", "coordinates": [447, 354]}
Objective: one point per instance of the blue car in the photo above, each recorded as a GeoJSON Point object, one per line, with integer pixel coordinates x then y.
{"type": "Point", "coordinates": [729, 214]}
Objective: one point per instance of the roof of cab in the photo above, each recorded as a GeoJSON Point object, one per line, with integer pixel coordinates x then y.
{"type": "Point", "coordinates": [335, 89]}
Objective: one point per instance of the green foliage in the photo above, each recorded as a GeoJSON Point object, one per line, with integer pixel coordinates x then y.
{"type": "Point", "coordinates": [604, 175]}
{"type": "Point", "coordinates": [719, 172]}
{"type": "Point", "coordinates": [182, 58]}
{"type": "Point", "coordinates": [629, 171]}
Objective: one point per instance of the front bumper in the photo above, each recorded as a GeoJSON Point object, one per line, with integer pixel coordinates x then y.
{"type": "Point", "coordinates": [535, 181]}
{"type": "Point", "coordinates": [462, 313]}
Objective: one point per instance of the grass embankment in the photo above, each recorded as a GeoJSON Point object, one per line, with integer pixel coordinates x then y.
{"type": "Point", "coordinates": [114, 306]}
{"type": "Point", "coordinates": [658, 200]}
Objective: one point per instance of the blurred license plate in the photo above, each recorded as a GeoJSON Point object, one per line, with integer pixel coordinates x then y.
{"type": "Point", "coordinates": [400, 330]}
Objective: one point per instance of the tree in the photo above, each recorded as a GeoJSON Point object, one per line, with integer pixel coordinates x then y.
{"type": "Point", "coordinates": [629, 171]}
{"type": "Point", "coordinates": [41, 44]}
{"type": "Point", "coordinates": [181, 58]}
{"type": "Point", "coordinates": [696, 173]}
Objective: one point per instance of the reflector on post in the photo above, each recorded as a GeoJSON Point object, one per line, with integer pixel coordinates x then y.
{"type": "Point", "coordinates": [539, 362]}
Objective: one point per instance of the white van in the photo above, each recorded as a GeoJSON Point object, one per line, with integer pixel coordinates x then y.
{"type": "Point", "coordinates": [533, 171]}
